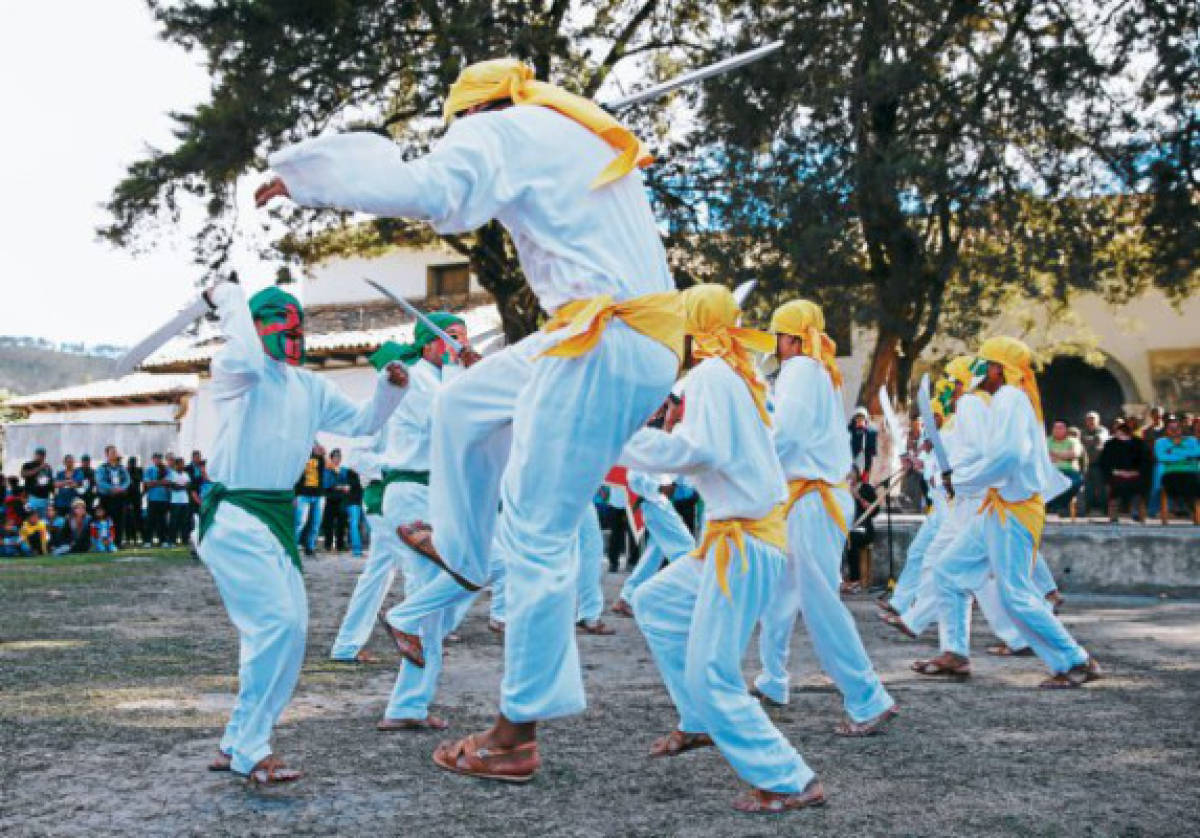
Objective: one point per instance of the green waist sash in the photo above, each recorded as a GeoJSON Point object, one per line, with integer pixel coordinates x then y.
{"type": "Point", "coordinates": [373, 493]}
{"type": "Point", "coordinates": [274, 507]}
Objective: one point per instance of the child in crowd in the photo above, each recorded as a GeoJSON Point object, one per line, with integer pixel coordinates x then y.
{"type": "Point", "coordinates": [35, 538]}
{"type": "Point", "coordinates": [102, 532]}
{"type": "Point", "coordinates": [10, 535]}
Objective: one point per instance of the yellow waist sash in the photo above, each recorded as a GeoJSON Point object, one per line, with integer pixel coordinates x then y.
{"type": "Point", "coordinates": [657, 316]}
{"type": "Point", "coordinates": [801, 486]}
{"type": "Point", "coordinates": [1030, 513]}
{"type": "Point", "coordinates": [733, 531]}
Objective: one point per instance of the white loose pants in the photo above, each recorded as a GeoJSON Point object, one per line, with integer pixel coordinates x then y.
{"type": "Point", "coordinates": [264, 595]}
{"type": "Point", "coordinates": [909, 582]}
{"type": "Point", "coordinates": [667, 538]}
{"type": "Point", "coordinates": [1009, 557]}
{"type": "Point", "coordinates": [698, 637]}
{"type": "Point", "coordinates": [810, 586]}
{"type": "Point", "coordinates": [374, 581]}
{"type": "Point", "coordinates": [590, 544]}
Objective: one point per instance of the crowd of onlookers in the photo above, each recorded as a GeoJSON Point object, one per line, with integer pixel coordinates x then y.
{"type": "Point", "coordinates": [1148, 468]}
{"type": "Point", "coordinates": [79, 507]}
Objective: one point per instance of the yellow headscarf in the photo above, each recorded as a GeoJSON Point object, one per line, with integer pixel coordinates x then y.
{"type": "Point", "coordinates": [805, 320]}
{"type": "Point", "coordinates": [710, 318]}
{"type": "Point", "coordinates": [508, 78]}
{"type": "Point", "coordinates": [959, 370]}
{"type": "Point", "coordinates": [1017, 360]}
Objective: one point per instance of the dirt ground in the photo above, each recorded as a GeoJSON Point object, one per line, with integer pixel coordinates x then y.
{"type": "Point", "coordinates": [116, 676]}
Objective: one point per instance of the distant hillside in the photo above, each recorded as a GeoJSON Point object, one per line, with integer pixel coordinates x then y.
{"type": "Point", "coordinates": [28, 365]}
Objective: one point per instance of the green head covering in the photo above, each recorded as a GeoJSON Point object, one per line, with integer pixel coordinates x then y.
{"type": "Point", "coordinates": [410, 353]}
{"type": "Point", "coordinates": [279, 319]}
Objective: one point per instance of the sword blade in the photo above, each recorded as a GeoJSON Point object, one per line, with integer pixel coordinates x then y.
{"type": "Point", "coordinates": [925, 405]}
{"type": "Point", "coordinates": [417, 315]}
{"type": "Point", "coordinates": [723, 66]}
{"type": "Point", "coordinates": [743, 291]}
{"type": "Point", "coordinates": [890, 420]}
{"type": "Point", "coordinates": [148, 345]}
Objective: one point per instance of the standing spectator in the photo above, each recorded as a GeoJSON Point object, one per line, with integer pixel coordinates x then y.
{"type": "Point", "coordinates": [195, 473]}
{"type": "Point", "coordinates": [1151, 430]}
{"type": "Point", "coordinates": [14, 499]}
{"type": "Point", "coordinates": [336, 484]}
{"type": "Point", "coordinates": [35, 538]}
{"type": "Point", "coordinates": [87, 481]}
{"type": "Point", "coordinates": [310, 499]}
{"type": "Point", "coordinates": [1178, 459]}
{"type": "Point", "coordinates": [39, 481]}
{"type": "Point", "coordinates": [861, 538]}
{"type": "Point", "coordinates": [158, 501]}
{"type": "Point", "coordinates": [1066, 453]}
{"type": "Point", "coordinates": [914, 490]}
{"type": "Point", "coordinates": [112, 483]}
{"type": "Point", "coordinates": [1196, 426]}
{"type": "Point", "coordinates": [1125, 464]}
{"type": "Point", "coordinates": [1093, 437]}
{"type": "Point", "coordinates": [66, 486]}
{"type": "Point", "coordinates": [180, 518]}
{"type": "Point", "coordinates": [102, 532]}
{"type": "Point", "coordinates": [135, 528]}
{"type": "Point", "coordinates": [863, 442]}
{"type": "Point", "coordinates": [354, 511]}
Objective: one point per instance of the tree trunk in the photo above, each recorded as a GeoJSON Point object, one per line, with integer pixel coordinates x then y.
{"type": "Point", "coordinates": [883, 372]}
{"type": "Point", "coordinates": [495, 263]}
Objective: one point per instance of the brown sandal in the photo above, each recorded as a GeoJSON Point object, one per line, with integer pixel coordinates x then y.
{"type": "Point", "coordinates": [761, 802]}
{"type": "Point", "coordinates": [897, 623]}
{"type": "Point", "coordinates": [430, 722]}
{"type": "Point", "coordinates": [270, 771]}
{"type": "Point", "coordinates": [677, 742]}
{"type": "Point", "coordinates": [1003, 650]}
{"type": "Point", "coordinates": [943, 667]}
{"type": "Point", "coordinates": [599, 628]}
{"type": "Point", "coordinates": [755, 692]}
{"type": "Point", "coordinates": [871, 727]}
{"type": "Point", "coordinates": [1075, 677]}
{"type": "Point", "coordinates": [495, 626]}
{"type": "Point", "coordinates": [883, 605]}
{"type": "Point", "coordinates": [515, 764]}
{"type": "Point", "coordinates": [409, 645]}
{"type": "Point", "coordinates": [419, 536]}
{"type": "Point", "coordinates": [622, 608]}
{"type": "Point", "coordinates": [221, 762]}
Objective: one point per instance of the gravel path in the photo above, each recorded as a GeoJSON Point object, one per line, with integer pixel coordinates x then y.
{"type": "Point", "coordinates": [115, 678]}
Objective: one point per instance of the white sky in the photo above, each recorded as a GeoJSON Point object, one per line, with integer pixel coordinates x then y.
{"type": "Point", "coordinates": [85, 86]}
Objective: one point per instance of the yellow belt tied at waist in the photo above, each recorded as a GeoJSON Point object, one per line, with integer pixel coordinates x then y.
{"type": "Point", "coordinates": [772, 529]}
{"type": "Point", "coordinates": [1031, 513]}
{"type": "Point", "coordinates": [801, 486]}
{"type": "Point", "coordinates": [657, 316]}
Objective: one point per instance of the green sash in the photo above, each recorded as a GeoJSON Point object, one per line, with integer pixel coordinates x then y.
{"type": "Point", "coordinates": [373, 494]}
{"type": "Point", "coordinates": [274, 507]}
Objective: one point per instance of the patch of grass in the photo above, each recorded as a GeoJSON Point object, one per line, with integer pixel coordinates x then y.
{"type": "Point", "coordinates": [77, 559]}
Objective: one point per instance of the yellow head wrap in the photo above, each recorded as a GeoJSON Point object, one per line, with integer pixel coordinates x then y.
{"type": "Point", "coordinates": [508, 78]}
{"type": "Point", "coordinates": [710, 318]}
{"type": "Point", "coordinates": [1017, 360]}
{"type": "Point", "coordinates": [805, 320]}
{"type": "Point", "coordinates": [959, 370]}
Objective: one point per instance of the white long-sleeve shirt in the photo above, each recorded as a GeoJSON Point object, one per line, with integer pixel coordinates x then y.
{"type": "Point", "coordinates": [810, 423]}
{"type": "Point", "coordinates": [1011, 456]}
{"type": "Point", "coordinates": [721, 443]}
{"type": "Point", "coordinates": [527, 167]}
{"type": "Point", "coordinates": [269, 413]}
{"type": "Point", "coordinates": [403, 443]}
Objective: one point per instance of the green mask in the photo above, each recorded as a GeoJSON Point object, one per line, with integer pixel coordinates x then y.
{"type": "Point", "coordinates": [279, 320]}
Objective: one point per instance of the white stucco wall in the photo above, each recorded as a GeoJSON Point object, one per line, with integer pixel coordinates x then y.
{"type": "Point", "coordinates": [341, 280]}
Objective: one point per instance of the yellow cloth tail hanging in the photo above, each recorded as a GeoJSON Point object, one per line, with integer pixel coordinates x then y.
{"type": "Point", "coordinates": [730, 534]}
{"type": "Point", "coordinates": [802, 486]}
{"type": "Point", "coordinates": [822, 348]}
{"type": "Point", "coordinates": [1030, 513]}
{"type": "Point", "coordinates": [657, 316]}
{"type": "Point", "coordinates": [508, 78]}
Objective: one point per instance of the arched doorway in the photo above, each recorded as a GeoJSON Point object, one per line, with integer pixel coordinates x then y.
{"type": "Point", "coordinates": [1070, 387]}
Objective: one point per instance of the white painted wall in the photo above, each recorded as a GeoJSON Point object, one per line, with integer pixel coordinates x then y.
{"type": "Point", "coordinates": [403, 270]}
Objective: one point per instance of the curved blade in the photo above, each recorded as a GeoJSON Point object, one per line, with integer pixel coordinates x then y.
{"type": "Point", "coordinates": [743, 291]}
{"type": "Point", "coordinates": [890, 420]}
{"type": "Point", "coordinates": [416, 314]}
{"type": "Point", "coordinates": [148, 345]}
{"type": "Point", "coordinates": [723, 66]}
{"type": "Point", "coordinates": [925, 405]}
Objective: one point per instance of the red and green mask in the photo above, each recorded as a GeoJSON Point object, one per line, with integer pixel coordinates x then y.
{"type": "Point", "coordinates": [279, 320]}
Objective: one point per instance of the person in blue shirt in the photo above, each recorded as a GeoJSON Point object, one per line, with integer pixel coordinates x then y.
{"type": "Point", "coordinates": [112, 482]}
{"type": "Point", "coordinates": [158, 500]}
{"type": "Point", "coordinates": [67, 483]}
{"type": "Point", "coordinates": [336, 483]}
{"type": "Point", "coordinates": [1178, 458]}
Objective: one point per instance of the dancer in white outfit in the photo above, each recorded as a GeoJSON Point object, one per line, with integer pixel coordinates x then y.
{"type": "Point", "coordinates": [560, 174]}
{"type": "Point", "coordinates": [814, 448]}
{"type": "Point", "coordinates": [698, 615]}
{"type": "Point", "coordinates": [1013, 471]}
{"type": "Point", "coordinates": [268, 412]}
{"type": "Point", "coordinates": [667, 536]}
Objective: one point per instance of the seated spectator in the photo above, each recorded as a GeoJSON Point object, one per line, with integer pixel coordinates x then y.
{"type": "Point", "coordinates": [14, 498]}
{"type": "Point", "coordinates": [1179, 461]}
{"type": "Point", "coordinates": [102, 532]}
{"type": "Point", "coordinates": [1067, 455]}
{"type": "Point", "coordinates": [857, 554]}
{"type": "Point", "coordinates": [75, 534]}
{"type": "Point", "coordinates": [1125, 462]}
{"type": "Point", "coordinates": [10, 536]}
{"type": "Point", "coordinates": [35, 538]}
